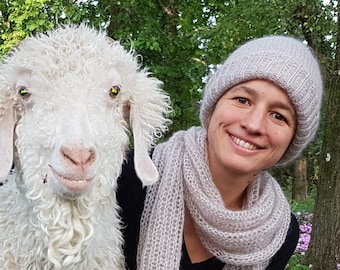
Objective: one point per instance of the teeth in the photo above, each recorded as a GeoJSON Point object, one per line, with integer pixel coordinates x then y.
{"type": "Point", "coordinates": [243, 144]}
{"type": "Point", "coordinates": [73, 179]}
{"type": "Point", "coordinates": [79, 180]}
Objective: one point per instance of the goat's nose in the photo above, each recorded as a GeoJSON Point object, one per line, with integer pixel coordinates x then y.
{"type": "Point", "coordinates": [78, 156]}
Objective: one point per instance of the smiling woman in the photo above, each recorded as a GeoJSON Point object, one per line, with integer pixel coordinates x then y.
{"type": "Point", "coordinates": [215, 206]}
{"type": "Point", "coordinates": [250, 129]}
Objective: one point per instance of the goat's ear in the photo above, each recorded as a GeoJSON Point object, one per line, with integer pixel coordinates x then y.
{"type": "Point", "coordinates": [149, 109]}
{"type": "Point", "coordinates": [7, 122]}
{"type": "Point", "coordinates": [145, 169]}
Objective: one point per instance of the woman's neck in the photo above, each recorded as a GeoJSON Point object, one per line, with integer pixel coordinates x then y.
{"type": "Point", "coordinates": [232, 186]}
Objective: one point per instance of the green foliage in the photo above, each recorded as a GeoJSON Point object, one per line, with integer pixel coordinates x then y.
{"type": "Point", "coordinates": [296, 263]}
{"type": "Point", "coordinates": [169, 45]}
{"type": "Point", "coordinates": [236, 22]}
{"type": "Point", "coordinates": [21, 18]}
{"type": "Point", "coordinates": [302, 206]}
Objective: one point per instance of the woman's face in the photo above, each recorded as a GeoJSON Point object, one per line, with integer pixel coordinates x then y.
{"type": "Point", "coordinates": [251, 127]}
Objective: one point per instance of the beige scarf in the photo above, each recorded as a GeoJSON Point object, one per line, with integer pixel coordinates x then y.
{"type": "Point", "coordinates": [245, 239]}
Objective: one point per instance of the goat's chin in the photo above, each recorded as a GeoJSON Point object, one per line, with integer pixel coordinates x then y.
{"type": "Point", "coordinates": [68, 194]}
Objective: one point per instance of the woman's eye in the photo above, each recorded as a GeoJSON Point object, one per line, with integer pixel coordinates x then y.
{"type": "Point", "coordinates": [23, 92]}
{"type": "Point", "coordinates": [242, 100]}
{"type": "Point", "coordinates": [114, 91]}
{"type": "Point", "coordinates": [279, 116]}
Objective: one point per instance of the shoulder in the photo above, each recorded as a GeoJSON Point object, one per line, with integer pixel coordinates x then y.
{"type": "Point", "coordinates": [281, 258]}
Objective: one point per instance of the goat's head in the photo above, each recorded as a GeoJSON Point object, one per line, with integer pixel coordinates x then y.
{"type": "Point", "coordinates": [67, 99]}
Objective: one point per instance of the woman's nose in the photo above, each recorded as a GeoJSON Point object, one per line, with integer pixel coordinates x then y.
{"type": "Point", "coordinates": [254, 122]}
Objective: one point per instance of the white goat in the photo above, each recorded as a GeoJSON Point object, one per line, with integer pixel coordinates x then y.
{"type": "Point", "coordinates": [67, 101]}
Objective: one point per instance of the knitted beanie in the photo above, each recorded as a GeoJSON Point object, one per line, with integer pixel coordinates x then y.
{"type": "Point", "coordinates": [288, 63]}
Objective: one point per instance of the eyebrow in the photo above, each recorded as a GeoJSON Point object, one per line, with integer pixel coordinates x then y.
{"type": "Point", "coordinates": [277, 103]}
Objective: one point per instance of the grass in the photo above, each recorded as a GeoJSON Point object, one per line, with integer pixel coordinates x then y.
{"type": "Point", "coordinates": [303, 206]}
{"type": "Point", "coordinates": [296, 263]}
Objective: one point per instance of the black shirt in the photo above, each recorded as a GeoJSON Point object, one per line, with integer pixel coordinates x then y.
{"type": "Point", "coordinates": [131, 196]}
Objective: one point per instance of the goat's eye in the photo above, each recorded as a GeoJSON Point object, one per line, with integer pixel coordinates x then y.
{"type": "Point", "coordinates": [114, 91]}
{"type": "Point", "coordinates": [23, 92]}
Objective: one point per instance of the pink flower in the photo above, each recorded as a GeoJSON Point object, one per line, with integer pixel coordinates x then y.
{"type": "Point", "coordinates": [305, 237]}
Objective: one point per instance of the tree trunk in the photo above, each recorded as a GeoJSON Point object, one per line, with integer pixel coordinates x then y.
{"type": "Point", "coordinates": [300, 183]}
{"type": "Point", "coordinates": [324, 251]}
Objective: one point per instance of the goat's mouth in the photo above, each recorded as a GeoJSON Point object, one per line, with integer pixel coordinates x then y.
{"type": "Point", "coordinates": [75, 183]}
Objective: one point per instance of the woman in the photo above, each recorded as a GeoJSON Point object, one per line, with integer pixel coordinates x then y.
{"type": "Point", "coordinates": [215, 206]}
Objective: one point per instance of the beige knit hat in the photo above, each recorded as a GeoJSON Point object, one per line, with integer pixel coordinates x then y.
{"type": "Point", "coordinates": [288, 63]}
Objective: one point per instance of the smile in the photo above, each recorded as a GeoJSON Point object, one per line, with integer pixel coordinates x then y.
{"type": "Point", "coordinates": [243, 144]}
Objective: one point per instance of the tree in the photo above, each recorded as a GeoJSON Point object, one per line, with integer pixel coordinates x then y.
{"type": "Point", "coordinates": [19, 18]}
{"type": "Point", "coordinates": [300, 184]}
{"type": "Point", "coordinates": [315, 22]}
{"type": "Point", "coordinates": [324, 252]}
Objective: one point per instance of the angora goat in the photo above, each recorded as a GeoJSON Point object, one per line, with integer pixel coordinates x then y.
{"type": "Point", "coordinates": [68, 99]}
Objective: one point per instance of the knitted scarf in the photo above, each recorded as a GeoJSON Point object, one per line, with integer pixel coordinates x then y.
{"type": "Point", "coordinates": [245, 239]}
